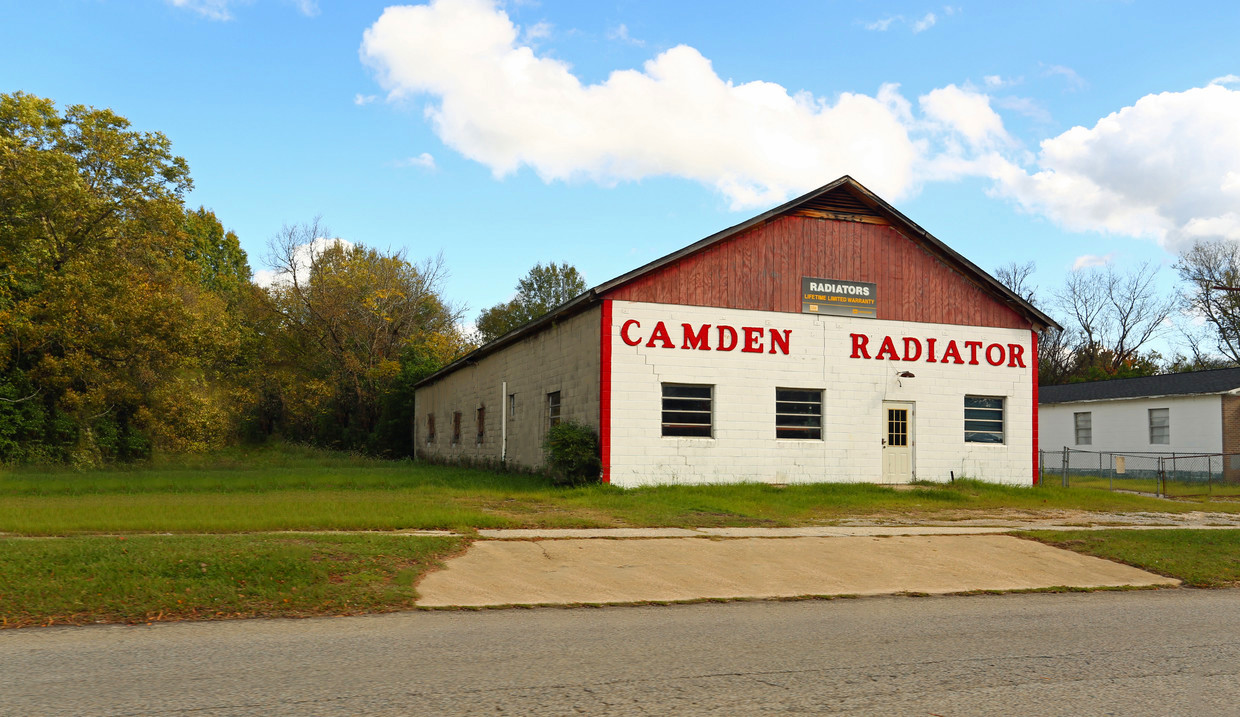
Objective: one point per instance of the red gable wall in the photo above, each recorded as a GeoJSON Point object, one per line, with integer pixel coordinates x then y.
{"type": "Point", "coordinates": [761, 269]}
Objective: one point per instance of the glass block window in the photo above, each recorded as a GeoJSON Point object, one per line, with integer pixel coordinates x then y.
{"type": "Point", "coordinates": [798, 413]}
{"type": "Point", "coordinates": [687, 409]}
{"type": "Point", "coordinates": [983, 419]}
{"type": "Point", "coordinates": [1160, 426]}
{"type": "Point", "coordinates": [1082, 424]}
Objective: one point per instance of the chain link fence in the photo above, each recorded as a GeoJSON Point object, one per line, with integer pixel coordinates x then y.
{"type": "Point", "coordinates": [1163, 474]}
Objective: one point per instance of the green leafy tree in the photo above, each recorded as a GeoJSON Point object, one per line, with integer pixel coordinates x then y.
{"type": "Point", "coordinates": [540, 291]}
{"type": "Point", "coordinates": [105, 318]}
{"type": "Point", "coordinates": [354, 325]}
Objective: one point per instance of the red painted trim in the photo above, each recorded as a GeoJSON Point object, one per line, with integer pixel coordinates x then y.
{"type": "Point", "coordinates": [604, 392]}
{"type": "Point", "coordinates": [1034, 363]}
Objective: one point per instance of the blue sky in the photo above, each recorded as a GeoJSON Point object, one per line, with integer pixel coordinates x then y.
{"type": "Point", "coordinates": [608, 134]}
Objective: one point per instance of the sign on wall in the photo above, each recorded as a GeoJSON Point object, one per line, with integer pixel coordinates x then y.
{"type": "Point", "coordinates": [834, 297]}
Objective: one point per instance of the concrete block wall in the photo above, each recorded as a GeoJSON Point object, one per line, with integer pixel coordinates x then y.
{"type": "Point", "coordinates": [562, 357]}
{"type": "Point", "coordinates": [1124, 425]}
{"type": "Point", "coordinates": [1231, 436]}
{"type": "Point", "coordinates": [744, 446]}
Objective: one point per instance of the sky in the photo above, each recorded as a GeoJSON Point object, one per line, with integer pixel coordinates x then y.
{"type": "Point", "coordinates": [607, 134]}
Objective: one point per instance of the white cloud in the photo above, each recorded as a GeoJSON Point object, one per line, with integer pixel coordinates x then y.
{"type": "Point", "coordinates": [424, 160]}
{"type": "Point", "coordinates": [1086, 261]}
{"type": "Point", "coordinates": [303, 255]}
{"type": "Point", "coordinates": [537, 31]}
{"type": "Point", "coordinates": [500, 104]}
{"type": "Point", "coordinates": [1168, 168]}
{"type": "Point", "coordinates": [925, 23]}
{"type": "Point", "coordinates": [1075, 81]}
{"type": "Point", "coordinates": [882, 25]}
{"type": "Point", "coordinates": [1226, 80]}
{"type": "Point", "coordinates": [210, 9]}
{"type": "Point", "coordinates": [1026, 106]}
{"type": "Point", "coordinates": [359, 99]}
{"type": "Point", "coordinates": [621, 33]}
{"type": "Point", "coordinates": [309, 8]}
{"type": "Point", "coordinates": [967, 114]}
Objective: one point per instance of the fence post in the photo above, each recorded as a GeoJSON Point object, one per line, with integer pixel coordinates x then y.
{"type": "Point", "coordinates": [1111, 478]}
{"type": "Point", "coordinates": [1063, 467]}
{"type": "Point", "coordinates": [1041, 467]}
{"type": "Point", "coordinates": [1160, 481]}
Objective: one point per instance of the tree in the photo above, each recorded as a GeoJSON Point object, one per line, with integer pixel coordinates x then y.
{"type": "Point", "coordinates": [347, 314]}
{"type": "Point", "coordinates": [1114, 316]}
{"type": "Point", "coordinates": [1211, 268]}
{"type": "Point", "coordinates": [104, 318]}
{"type": "Point", "coordinates": [540, 291]}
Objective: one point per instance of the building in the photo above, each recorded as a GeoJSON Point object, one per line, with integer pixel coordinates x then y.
{"type": "Point", "coordinates": [1197, 412]}
{"type": "Point", "coordinates": [829, 339]}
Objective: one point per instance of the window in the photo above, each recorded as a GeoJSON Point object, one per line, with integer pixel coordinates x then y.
{"type": "Point", "coordinates": [1083, 423]}
{"type": "Point", "coordinates": [512, 405]}
{"type": "Point", "coordinates": [430, 428]}
{"type": "Point", "coordinates": [686, 410]}
{"type": "Point", "coordinates": [553, 409]}
{"type": "Point", "coordinates": [983, 419]}
{"type": "Point", "coordinates": [798, 413]}
{"type": "Point", "coordinates": [456, 427]}
{"type": "Point", "coordinates": [1160, 426]}
{"type": "Point", "coordinates": [482, 423]}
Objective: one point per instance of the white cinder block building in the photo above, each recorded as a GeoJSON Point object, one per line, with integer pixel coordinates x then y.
{"type": "Point", "coordinates": [1197, 412]}
{"type": "Point", "coordinates": [829, 339]}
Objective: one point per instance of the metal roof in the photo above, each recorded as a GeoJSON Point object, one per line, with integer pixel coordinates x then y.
{"type": "Point", "coordinates": [1221, 380]}
{"type": "Point", "coordinates": [858, 199]}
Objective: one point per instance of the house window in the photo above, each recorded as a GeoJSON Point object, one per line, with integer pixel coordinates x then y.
{"type": "Point", "coordinates": [687, 409]}
{"type": "Point", "coordinates": [798, 413]}
{"type": "Point", "coordinates": [430, 428]}
{"type": "Point", "coordinates": [1083, 424]}
{"type": "Point", "coordinates": [1160, 426]}
{"type": "Point", "coordinates": [482, 423]}
{"type": "Point", "coordinates": [553, 409]}
{"type": "Point", "coordinates": [512, 405]}
{"type": "Point", "coordinates": [983, 419]}
{"type": "Point", "coordinates": [456, 427]}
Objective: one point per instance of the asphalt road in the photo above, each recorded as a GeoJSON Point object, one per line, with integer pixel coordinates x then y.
{"type": "Point", "coordinates": [1164, 652]}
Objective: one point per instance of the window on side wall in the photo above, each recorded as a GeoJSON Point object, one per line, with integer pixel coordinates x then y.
{"type": "Point", "coordinates": [798, 413]}
{"type": "Point", "coordinates": [1160, 426]}
{"type": "Point", "coordinates": [983, 419]}
{"type": "Point", "coordinates": [430, 428]}
{"type": "Point", "coordinates": [482, 423]}
{"type": "Point", "coordinates": [456, 427]}
{"type": "Point", "coordinates": [512, 405]}
{"type": "Point", "coordinates": [553, 409]}
{"type": "Point", "coordinates": [1082, 423]}
{"type": "Point", "coordinates": [687, 410]}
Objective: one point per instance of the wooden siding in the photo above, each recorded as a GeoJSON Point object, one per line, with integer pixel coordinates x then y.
{"type": "Point", "coordinates": [761, 269]}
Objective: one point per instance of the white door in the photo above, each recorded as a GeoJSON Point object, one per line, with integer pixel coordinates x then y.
{"type": "Point", "coordinates": [897, 442]}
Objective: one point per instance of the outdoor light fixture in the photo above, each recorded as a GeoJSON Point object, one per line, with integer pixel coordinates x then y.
{"type": "Point", "coordinates": [906, 374]}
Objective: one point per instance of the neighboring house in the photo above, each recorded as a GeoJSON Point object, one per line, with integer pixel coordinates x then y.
{"type": "Point", "coordinates": [829, 339]}
{"type": "Point", "coordinates": [1197, 412]}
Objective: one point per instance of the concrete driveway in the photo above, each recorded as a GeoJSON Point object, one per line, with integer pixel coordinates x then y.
{"type": "Point", "coordinates": [630, 566]}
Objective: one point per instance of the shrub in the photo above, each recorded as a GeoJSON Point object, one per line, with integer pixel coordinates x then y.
{"type": "Point", "coordinates": [572, 454]}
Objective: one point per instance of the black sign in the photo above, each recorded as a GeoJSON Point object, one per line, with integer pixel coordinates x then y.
{"type": "Point", "coordinates": [834, 297]}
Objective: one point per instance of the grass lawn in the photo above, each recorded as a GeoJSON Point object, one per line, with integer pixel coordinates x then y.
{"type": "Point", "coordinates": [146, 578]}
{"type": "Point", "coordinates": [293, 488]}
{"type": "Point", "coordinates": [1201, 558]}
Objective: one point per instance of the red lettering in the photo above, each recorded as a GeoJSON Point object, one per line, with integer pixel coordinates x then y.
{"type": "Point", "coordinates": [753, 340]}
{"type": "Point", "coordinates": [732, 334]}
{"type": "Point", "coordinates": [1016, 354]}
{"type": "Point", "coordinates": [973, 346]}
{"type": "Point", "coordinates": [624, 332]}
{"type": "Point", "coordinates": [888, 348]}
{"type": "Point", "coordinates": [780, 340]}
{"type": "Point", "coordinates": [859, 342]}
{"type": "Point", "coordinates": [952, 351]}
{"type": "Point", "coordinates": [908, 341]}
{"type": "Point", "coordinates": [660, 334]}
{"type": "Point", "coordinates": [699, 341]}
{"type": "Point", "coordinates": [930, 350]}
{"type": "Point", "coordinates": [990, 359]}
